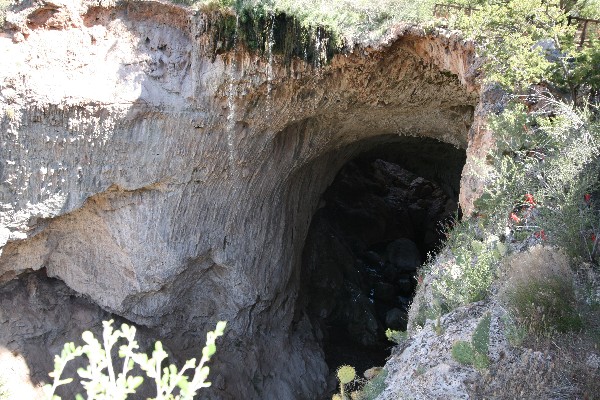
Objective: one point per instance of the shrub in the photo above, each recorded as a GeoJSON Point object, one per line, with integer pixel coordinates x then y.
{"type": "Point", "coordinates": [546, 305]}
{"type": "Point", "coordinates": [539, 292]}
{"type": "Point", "coordinates": [101, 381]}
{"type": "Point", "coordinates": [588, 9]}
{"type": "Point", "coordinates": [544, 171]}
{"type": "Point", "coordinates": [530, 42]}
{"type": "Point", "coordinates": [397, 337]}
{"type": "Point", "coordinates": [545, 161]}
{"type": "Point", "coordinates": [467, 276]}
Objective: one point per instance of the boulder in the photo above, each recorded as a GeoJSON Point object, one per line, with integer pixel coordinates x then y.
{"type": "Point", "coordinates": [396, 319]}
{"type": "Point", "coordinates": [403, 254]}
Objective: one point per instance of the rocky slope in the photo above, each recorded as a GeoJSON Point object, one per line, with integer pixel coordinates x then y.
{"type": "Point", "coordinates": [518, 365]}
{"type": "Point", "coordinates": [173, 184]}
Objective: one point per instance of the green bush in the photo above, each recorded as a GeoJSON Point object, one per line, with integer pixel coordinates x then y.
{"type": "Point", "coordinates": [549, 152]}
{"type": "Point", "coordinates": [552, 155]}
{"type": "Point", "coordinates": [101, 380]}
{"type": "Point", "coordinates": [468, 275]}
{"type": "Point", "coordinates": [529, 42]}
{"type": "Point", "coordinates": [588, 9]}
{"type": "Point", "coordinates": [396, 336]}
{"type": "Point", "coordinates": [546, 159]}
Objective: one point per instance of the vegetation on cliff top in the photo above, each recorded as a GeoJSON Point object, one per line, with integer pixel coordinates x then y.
{"type": "Point", "coordinates": [542, 177]}
{"type": "Point", "coordinates": [541, 184]}
{"type": "Point", "coordinates": [349, 21]}
{"type": "Point", "coordinates": [362, 21]}
{"type": "Point", "coordinates": [545, 164]}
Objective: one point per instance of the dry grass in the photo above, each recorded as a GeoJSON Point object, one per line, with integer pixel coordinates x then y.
{"type": "Point", "coordinates": [558, 368]}
{"type": "Point", "coordinates": [539, 292]}
{"type": "Point", "coordinates": [559, 356]}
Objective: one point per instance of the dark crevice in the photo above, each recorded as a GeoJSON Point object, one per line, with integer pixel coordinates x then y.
{"type": "Point", "coordinates": [377, 223]}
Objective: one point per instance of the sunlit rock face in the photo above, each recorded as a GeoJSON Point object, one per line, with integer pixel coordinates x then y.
{"type": "Point", "coordinates": [173, 184]}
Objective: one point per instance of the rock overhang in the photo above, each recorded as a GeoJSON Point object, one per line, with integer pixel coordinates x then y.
{"type": "Point", "coordinates": [163, 180]}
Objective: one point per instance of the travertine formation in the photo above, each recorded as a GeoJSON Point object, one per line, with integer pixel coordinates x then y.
{"type": "Point", "coordinates": [173, 185]}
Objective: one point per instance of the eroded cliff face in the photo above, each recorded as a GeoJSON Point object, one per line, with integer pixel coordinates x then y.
{"type": "Point", "coordinates": [173, 185]}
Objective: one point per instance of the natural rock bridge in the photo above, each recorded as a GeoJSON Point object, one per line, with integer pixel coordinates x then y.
{"type": "Point", "coordinates": [174, 187]}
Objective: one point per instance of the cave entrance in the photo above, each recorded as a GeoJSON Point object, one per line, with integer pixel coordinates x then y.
{"type": "Point", "coordinates": [376, 224]}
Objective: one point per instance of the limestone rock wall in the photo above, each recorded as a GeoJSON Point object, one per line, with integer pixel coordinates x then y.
{"type": "Point", "coordinates": [174, 186]}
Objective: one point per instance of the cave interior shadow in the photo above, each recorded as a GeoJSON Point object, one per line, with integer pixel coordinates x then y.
{"type": "Point", "coordinates": [376, 224]}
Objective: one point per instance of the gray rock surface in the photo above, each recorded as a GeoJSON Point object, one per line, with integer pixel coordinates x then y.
{"type": "Point", "coordinates": [174, 186]}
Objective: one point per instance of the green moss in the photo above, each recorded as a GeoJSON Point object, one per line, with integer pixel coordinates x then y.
{"type": "Point", "coordinates": [261, 31]}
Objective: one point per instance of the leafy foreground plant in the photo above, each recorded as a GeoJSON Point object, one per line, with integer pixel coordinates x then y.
{"type": "Point", "coordinates": [101, 381]}
{"type": "Point", "coordinates": [345, 375]}
{"type": "Point", "coordinates": [476, 352]}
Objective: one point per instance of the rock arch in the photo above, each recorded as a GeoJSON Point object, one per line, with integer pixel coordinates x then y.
{"type": "Point", "coordinates": [178, 188]}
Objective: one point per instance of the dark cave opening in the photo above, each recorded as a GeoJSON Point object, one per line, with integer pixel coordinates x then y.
{"type": "Point", "coordinates": [376, 224]}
